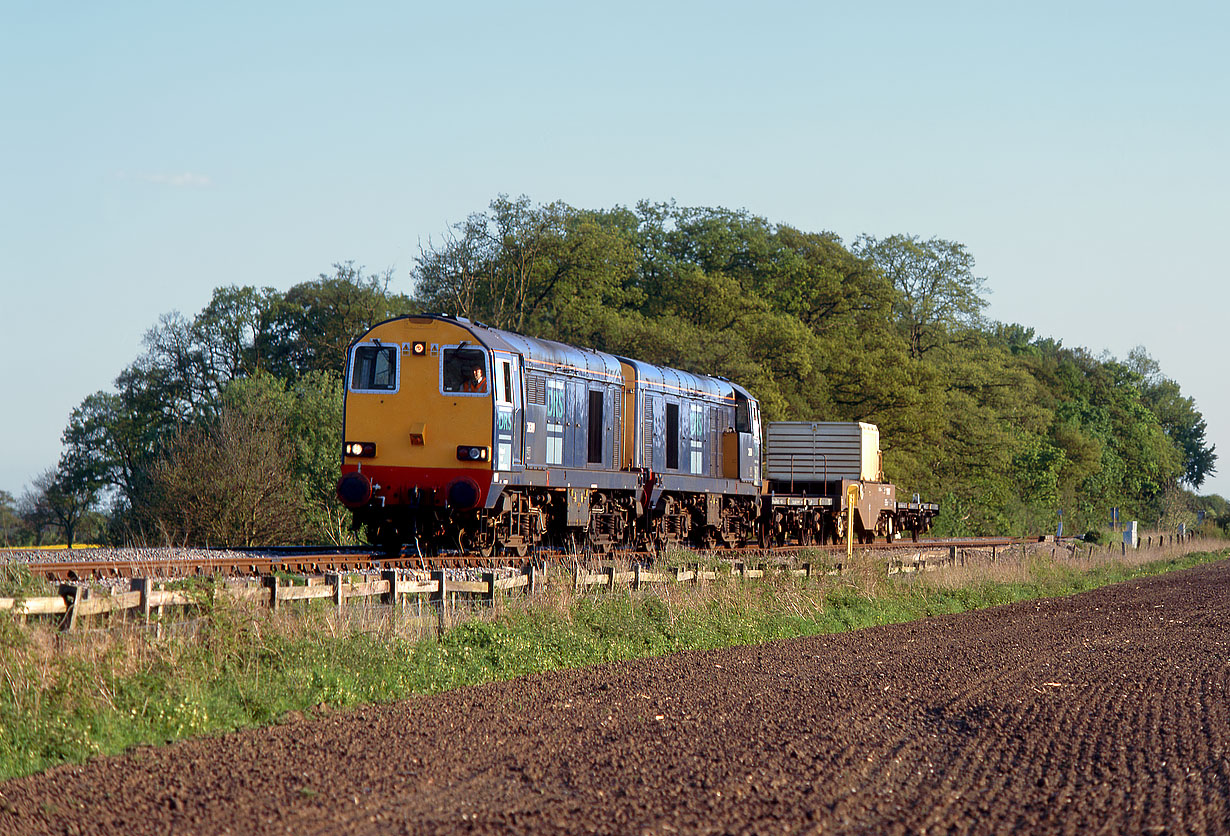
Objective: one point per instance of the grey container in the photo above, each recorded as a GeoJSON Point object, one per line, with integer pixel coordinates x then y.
{"type": "Point", "coordinates": [819, 451]}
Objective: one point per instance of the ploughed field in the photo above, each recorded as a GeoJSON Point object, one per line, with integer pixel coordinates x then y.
{"type": "Point", "coordinates": [1104, 712]}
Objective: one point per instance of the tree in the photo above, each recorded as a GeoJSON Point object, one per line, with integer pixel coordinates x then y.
{"type": "Point", "coordinates": [1178, 416]}
{"type": "Point", "coordinates": [228, 482]}
{"type": "Point", "coordinates": [310, 408]}
{"type": "Point", "coordinates": [232, 332]}
{"type": "Point", "coordinates": [35, 513]}
{"type": "Point", "coordinates": [937, 291]}
{"type": "Point", "coordinates": [312, 326]}
{"type": "Point", "coordinates": [552, 271]}
{"type": "Point", "coordinates": [11, 526]}
{"type": "Point", "coordinates": [56, 499]}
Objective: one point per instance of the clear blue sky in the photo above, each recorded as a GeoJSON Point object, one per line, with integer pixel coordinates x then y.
{"type": "Point", "coordinates": [155, 151]}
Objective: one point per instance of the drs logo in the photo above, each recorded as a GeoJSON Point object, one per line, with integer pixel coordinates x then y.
{"type": "Point", "coordinates": [555, 404]}
{"type": "Point", "coordinates": [504, 421]}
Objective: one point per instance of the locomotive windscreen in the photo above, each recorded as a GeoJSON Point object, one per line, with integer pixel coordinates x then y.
{"type": "Point", "coordinates": [374, 368]}
{"type": "Point", "coordinates": [464, 370]}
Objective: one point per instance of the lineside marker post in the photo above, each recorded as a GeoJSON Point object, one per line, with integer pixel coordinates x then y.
{"type": "Point", "coordinates": [852, 496]}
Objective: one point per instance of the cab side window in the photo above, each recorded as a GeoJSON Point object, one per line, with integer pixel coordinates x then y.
{"type": "Point", "coordinates": [743, 415]}
{"type": "Point", "coordinates": [503, 381]}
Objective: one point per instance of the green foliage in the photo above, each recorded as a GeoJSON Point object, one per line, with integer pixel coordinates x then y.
{"type": "Point", "coordinates": [17, 582]}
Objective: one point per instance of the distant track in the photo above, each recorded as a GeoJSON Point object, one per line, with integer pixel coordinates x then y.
{"type": "Point", "coordinates": [319, 559]}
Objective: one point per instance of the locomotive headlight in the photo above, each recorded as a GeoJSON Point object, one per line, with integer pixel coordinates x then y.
{"type": "Point", "coordinates": [419, 348]}
{"type": "Point", "coordinates": [473, 454]}
{"type": "Point", "coordinates": [362, 449]}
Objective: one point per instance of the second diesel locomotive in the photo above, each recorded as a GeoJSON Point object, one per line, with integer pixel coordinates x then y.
{"type": "Point", "coordinates": [460, 436]}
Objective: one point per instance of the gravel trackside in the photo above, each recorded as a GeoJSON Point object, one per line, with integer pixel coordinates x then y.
{"type": "Point", "coordinates": [1106, 712]}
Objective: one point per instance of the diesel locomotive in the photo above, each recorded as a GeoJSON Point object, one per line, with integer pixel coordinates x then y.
{"type": "Point", "coordinates": [460, 436]}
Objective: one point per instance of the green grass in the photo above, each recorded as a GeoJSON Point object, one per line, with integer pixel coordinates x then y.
{"type": "Point", "coordinates": [66, 697]}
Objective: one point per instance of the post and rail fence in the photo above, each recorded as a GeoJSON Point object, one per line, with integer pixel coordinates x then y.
{"type": "Point", "coordinates": [394, 588]}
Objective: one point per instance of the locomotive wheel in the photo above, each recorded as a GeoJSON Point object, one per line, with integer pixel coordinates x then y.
{"type": "Point", "coordinates": [482, 540]}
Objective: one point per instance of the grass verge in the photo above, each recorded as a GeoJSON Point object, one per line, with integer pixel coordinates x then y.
{"type": "Point", "coordinates": [67, 697]}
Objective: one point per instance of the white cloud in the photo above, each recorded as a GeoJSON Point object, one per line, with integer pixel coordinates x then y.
{"type": "Point", "coordinates": [186, 180]}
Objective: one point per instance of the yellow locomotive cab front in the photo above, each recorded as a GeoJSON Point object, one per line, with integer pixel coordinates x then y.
{"type": "Point", "coordinates": [418, 418]}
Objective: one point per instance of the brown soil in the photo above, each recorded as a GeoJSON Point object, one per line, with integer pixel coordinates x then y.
{"type": "Point", "coordinates": [1106, 712]}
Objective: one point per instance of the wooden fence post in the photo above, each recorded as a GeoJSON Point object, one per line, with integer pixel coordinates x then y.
{"type": "Point", "coordinates": [489, 595]}
{"type": "Point", "coordinates": [271, 583]}
{"type": "Point", "coordinates": [334, 579]}
{"type": "Point", "coordinates": [609, 571]}
{"type": "Point", "coordinates": [636, 576]}
{"type": "Point", "coordinates": [390, 597]}
{"type": "Point", "coordinates": [144, 586]}
{"type": "Point", "coordinates": [72, 595]}
{"type": "Point", "coordinates": [537, 576]}
{"type": "Point", "coordinates": [439, 599]}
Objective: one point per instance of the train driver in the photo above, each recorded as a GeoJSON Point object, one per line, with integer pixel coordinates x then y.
{"type": "Point", "coordinates": [475, 382]}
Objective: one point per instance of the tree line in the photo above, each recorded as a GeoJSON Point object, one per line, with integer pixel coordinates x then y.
{"type": "Point", "coordinates": [226, 430]}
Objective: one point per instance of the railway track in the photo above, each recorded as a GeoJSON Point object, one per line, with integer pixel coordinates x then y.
{"type": "Point", "coordinates": [312, 560]}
